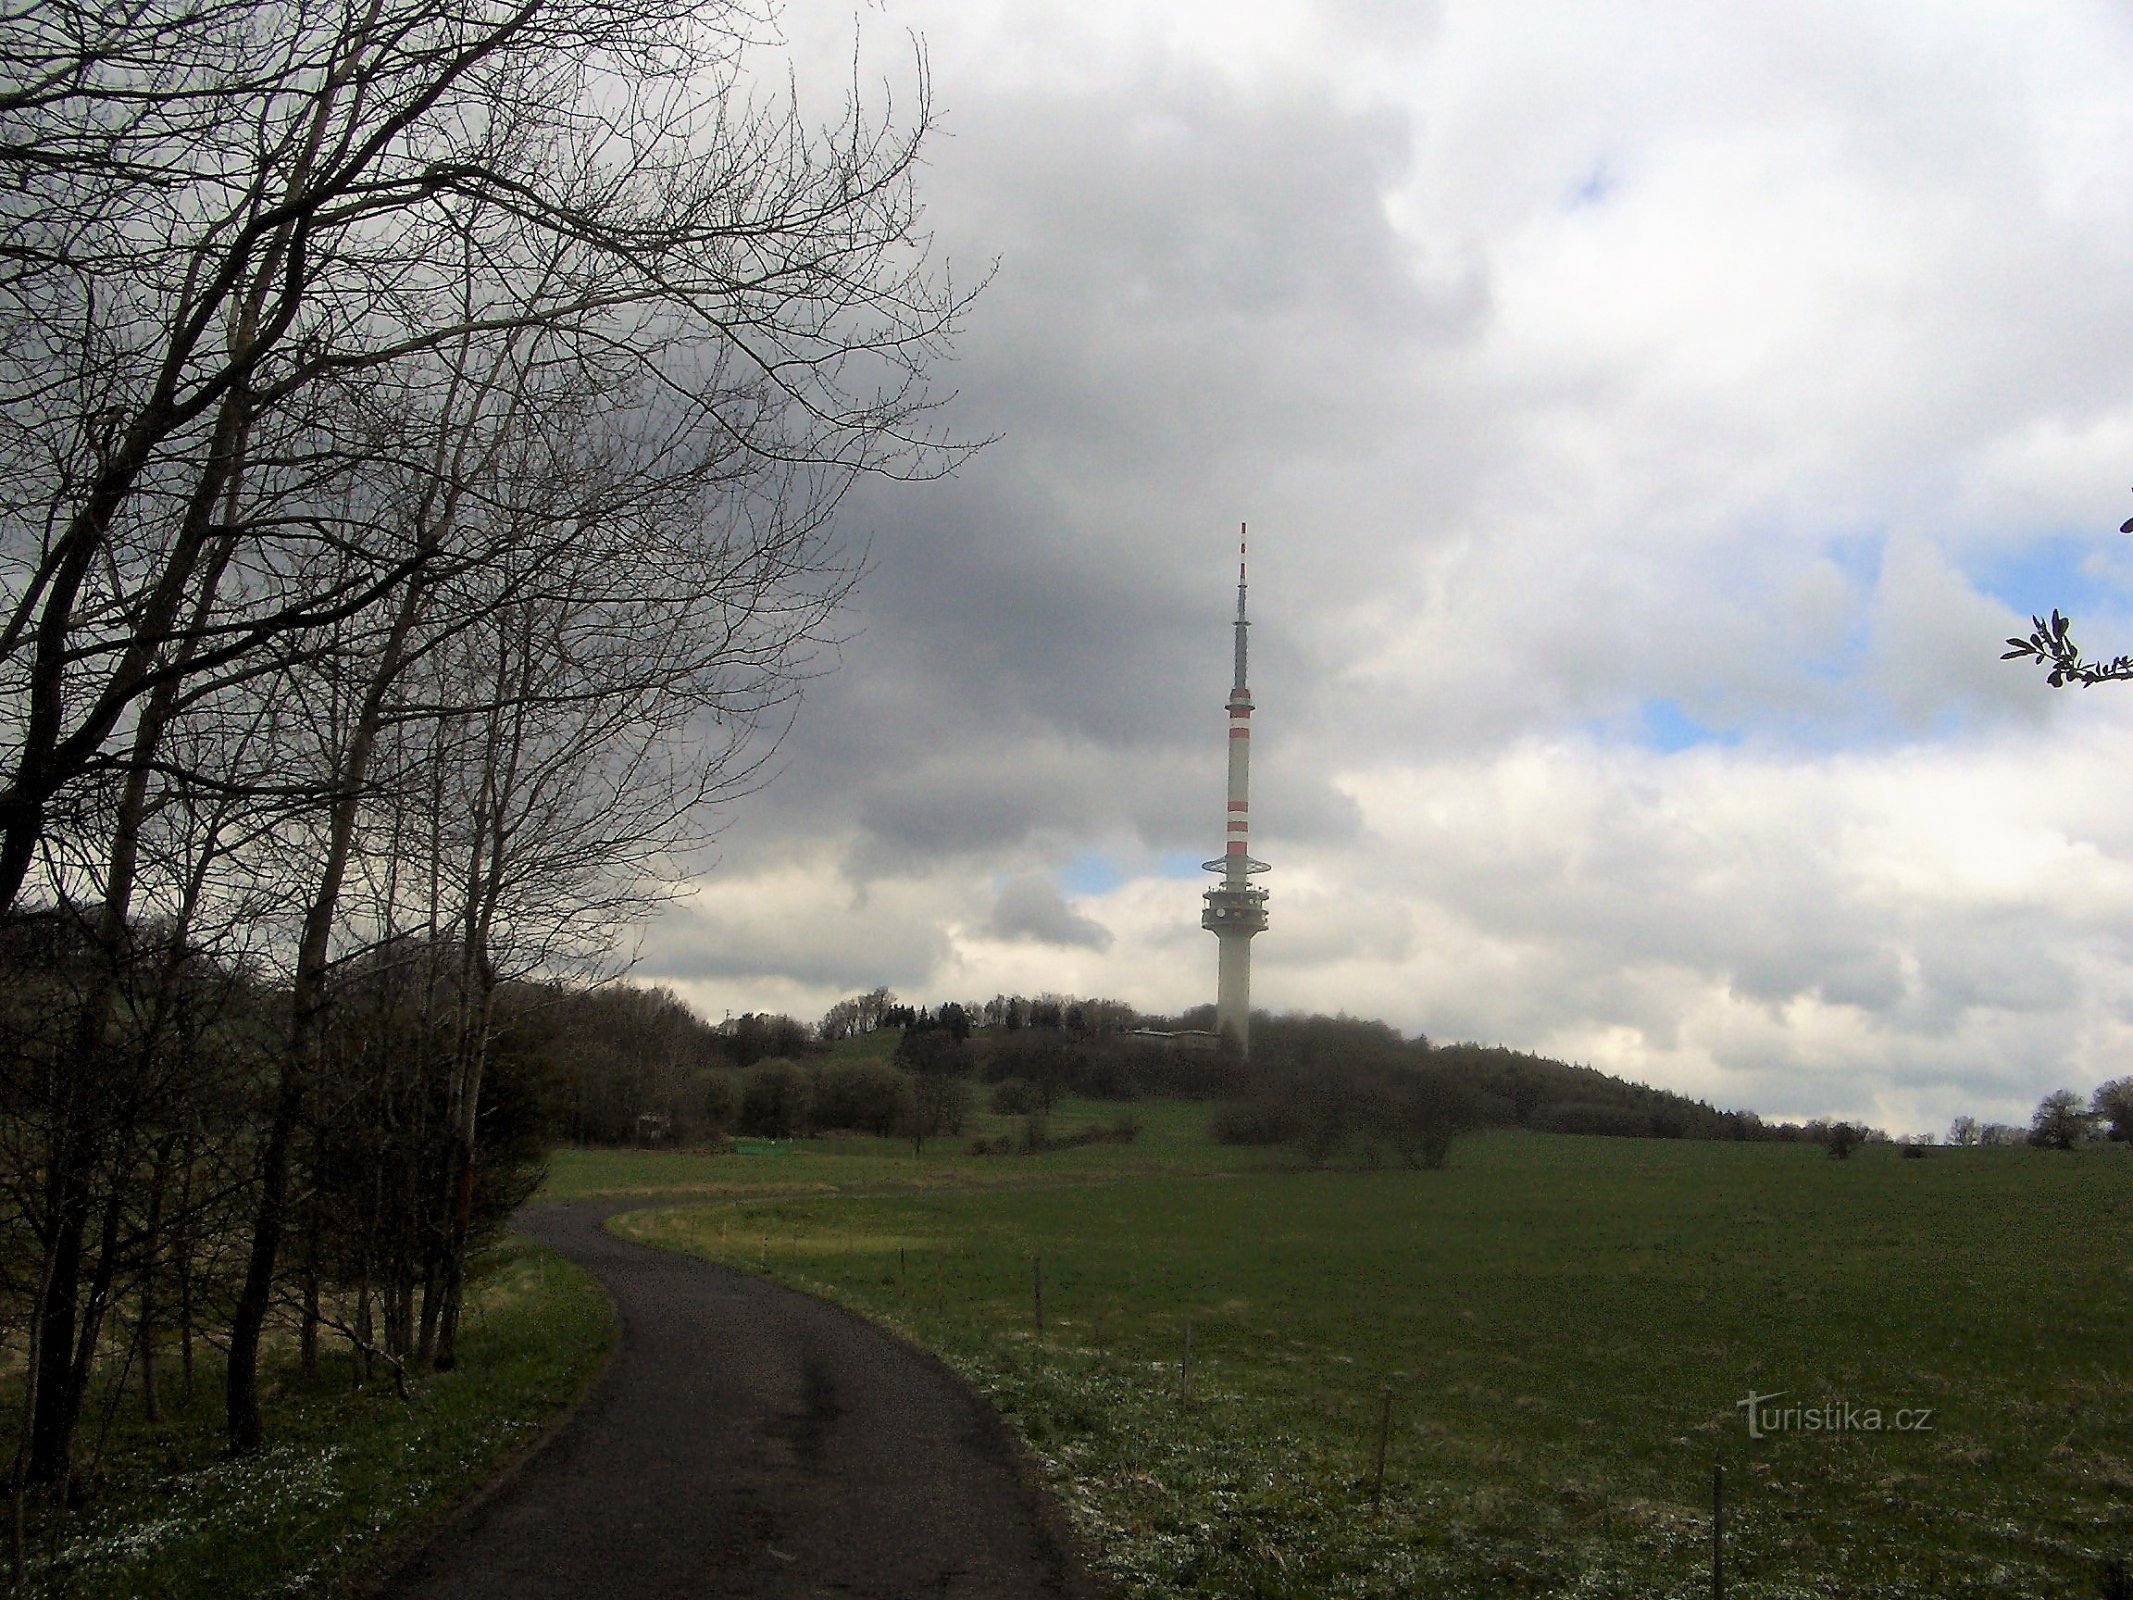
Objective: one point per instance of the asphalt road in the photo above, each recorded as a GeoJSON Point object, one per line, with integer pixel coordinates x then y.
{"type": "Point", "coordinates": [749, 1441]}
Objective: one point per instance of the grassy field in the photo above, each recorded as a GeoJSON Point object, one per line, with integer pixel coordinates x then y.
{"type": "Point", "coordinates": [1565, 1328]}
{"type": "Point", "coordinates": [349, 1475]}
{"type": "Point", "coordinates": [1172, 1140]}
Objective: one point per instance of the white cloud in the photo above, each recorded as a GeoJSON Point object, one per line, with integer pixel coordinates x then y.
{"type": "Point", "coordinates": [1568, 363]}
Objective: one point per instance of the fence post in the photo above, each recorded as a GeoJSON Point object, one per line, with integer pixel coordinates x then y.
{"type": "Point", "coordinates": [1377, 1478]}
{"type": "Point", "coordinates": [1718, 1531]}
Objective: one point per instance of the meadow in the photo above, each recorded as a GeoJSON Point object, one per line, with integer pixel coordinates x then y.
{"type": "Point", "coordinates": [349, 1476]}
{"type": "Point", "coordinates": [1560, 1332]}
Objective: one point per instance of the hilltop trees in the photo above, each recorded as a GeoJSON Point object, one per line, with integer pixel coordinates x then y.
{"type": "Point", "coordinates": [419, 424]}
{"type": "Point", "coordinates": [862, 1013]}
{"type": "Point", "coordinates": [2062, 1121]}
{"type": "Point", "coordinates": [2112, 1106]}
{"type": "Point", "coordinates": [621, 1054]}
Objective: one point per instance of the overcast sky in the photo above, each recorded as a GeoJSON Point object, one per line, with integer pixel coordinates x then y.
{"type": "Point", "coordinates": [1650, 419]}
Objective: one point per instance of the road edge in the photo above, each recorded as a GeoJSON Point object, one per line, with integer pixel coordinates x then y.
{"type": "Point", "coordinates": [374, 1573]}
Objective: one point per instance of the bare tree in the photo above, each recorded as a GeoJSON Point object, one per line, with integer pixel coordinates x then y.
{"type": "Point", "coordinates": [217, 224]}
{"type": "Point", "coordinates": [598, 718]}
{"type": "Point", "coordinates": [474, 378]}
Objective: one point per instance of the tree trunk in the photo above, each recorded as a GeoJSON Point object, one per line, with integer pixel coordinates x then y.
{"type": "Point", "coordinates": [455, 1258]}
{"type": "Point", "coordinates": [185, 1315]}
{"type": "Point", "coordinates": [19, 1477]}
{"type": "Point", "coordinates": [151, 1260]}
{"type": "Point", "coordinates": [307, 1333]}
{"type": "Point", "coordinates": [244, 1428]}
{"type": "Point", "coordinates": [185, 1338]}
{"type": "Point", "coordinates": [432, 1303]}
{"type": "Point", "coordinates": [307, 1010]}
{"type": "Point", "coordinates": [400, 1314]}
{"type": "Point", "coordinates": [55, 1408]}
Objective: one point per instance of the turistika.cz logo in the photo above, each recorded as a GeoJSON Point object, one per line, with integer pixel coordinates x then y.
{"type": "Point", "coordinates": [1828, 1416]}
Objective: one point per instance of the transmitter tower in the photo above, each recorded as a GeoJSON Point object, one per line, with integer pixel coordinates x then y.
{"type": "Point", "coordinates": [1235, 910]}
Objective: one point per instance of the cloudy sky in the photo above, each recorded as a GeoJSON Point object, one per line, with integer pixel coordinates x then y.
{"type": "Point", "coordinates": [1650, 418]}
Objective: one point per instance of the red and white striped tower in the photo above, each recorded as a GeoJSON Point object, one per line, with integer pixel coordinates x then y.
{"type": "Point", "coordinates": [1235, 910]}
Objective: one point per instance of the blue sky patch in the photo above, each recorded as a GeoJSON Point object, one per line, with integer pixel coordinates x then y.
{"type": "Point", "coordinates": [1858, 557]}
{"type": "Point", "coordinates": [1091, 872]}
{"type": "Point", "coordinates": [1098, 872]}
{"type": "Point", "coordinates": [1668, 728]}
{"type": "Point", "coordinates": [2072, 572]}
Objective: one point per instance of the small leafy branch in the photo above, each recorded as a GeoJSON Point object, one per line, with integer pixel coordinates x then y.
{"type": "Point", "coordinates": [2053, 642]}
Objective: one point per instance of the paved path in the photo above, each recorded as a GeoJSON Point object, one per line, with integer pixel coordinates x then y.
{"type": "Point", "coordinates": [749, 1441]}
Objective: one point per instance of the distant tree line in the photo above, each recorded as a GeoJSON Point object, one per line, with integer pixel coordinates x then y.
{"type": "Point", "coordinates": [642, 1067]}
{"type": "Point", "coordinates": [623, 1065]}
{"type": "Point", "coordinates": [1329, 1085]}
{"type": "Point", "coordinates": [1321, 1084]}
{"type": "Point", "coordinates": [2063, 1120]}
{"type": "Point", "coordinates": [628, 1065]}
{"type": "Point", "coordinates": [1325, 1086]}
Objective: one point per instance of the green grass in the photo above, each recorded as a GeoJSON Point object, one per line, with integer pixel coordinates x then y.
{"type": "Point", "coordinates": [1173, 1139]}
{"type": "Point", "coordinates": [1566, 1327]}
{"type": "Point", "coordinates": [348, 1476]}
{"type": "Point", "coordinates": [879, 1045]}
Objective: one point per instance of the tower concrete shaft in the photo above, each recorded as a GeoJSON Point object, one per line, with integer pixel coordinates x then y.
{"type": "Point", "coordinates": [1235, 910]}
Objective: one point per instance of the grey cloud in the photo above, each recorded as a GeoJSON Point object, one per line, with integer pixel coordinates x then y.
{"type": "Point", "coordinates": [1033, 908]}
{"type": "Point", "coordinates": [854, 947]}
{"type": "Point", "coordinates": [1992, 968]}
{"type": "Point", "coordinates": [1873, 981]}
{"type": "Point", "coordinates": [1013, 796]}
{"type": "Point", "coordinates": [1792, 956]}
{"type": "Point", "coordinates": [1040, 650]}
